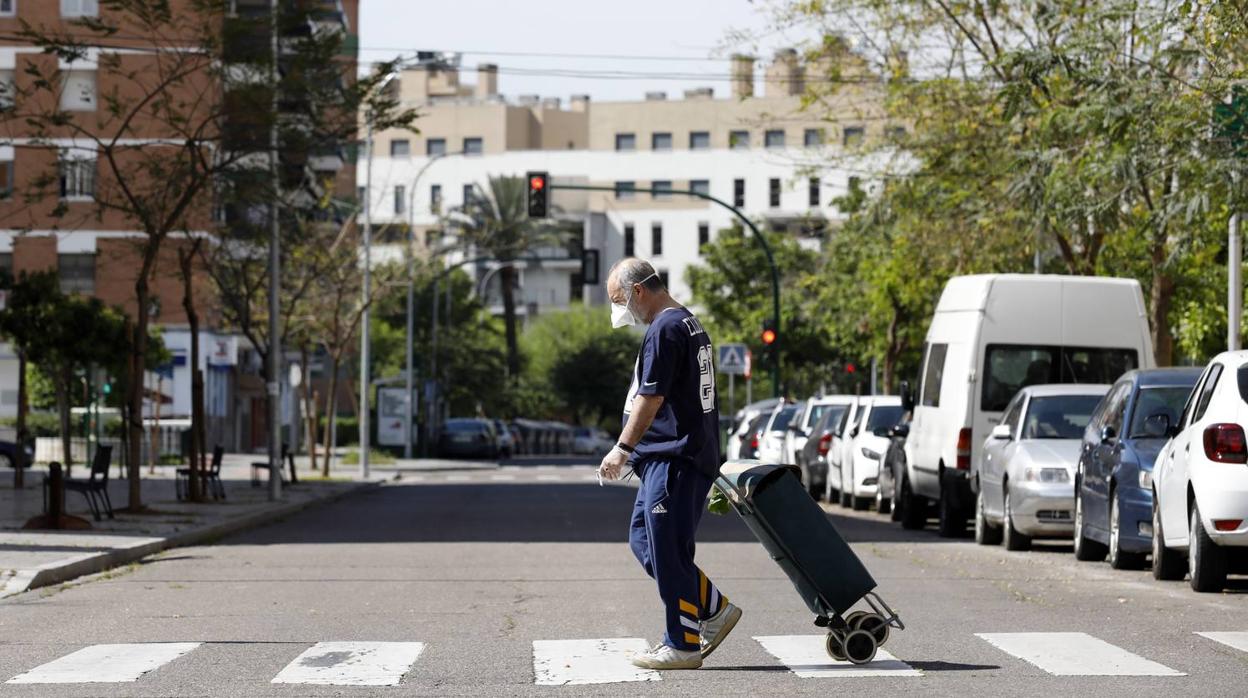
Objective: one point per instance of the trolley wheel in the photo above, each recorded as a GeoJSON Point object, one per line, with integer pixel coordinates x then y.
{"type": "Point", "coordinates": [860, 647]}
{"type": "Point", "coordinates": [835, 646]}
{"type": "Point", "coordinates": [875, 624]}
{"type": "Point", "coordinates": [852, 620]}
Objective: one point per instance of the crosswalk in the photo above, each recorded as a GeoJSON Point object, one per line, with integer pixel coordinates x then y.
{"type": "Point", "coordinates": [571, 662]}
{"type": "Point", "coordinates": [519, 474]}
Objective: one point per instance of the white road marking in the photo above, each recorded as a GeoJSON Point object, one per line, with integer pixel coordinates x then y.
{"type": "Point", "coordinates": [121, 663]}
{"type": "Point", "coordinates": [352, 664]}
{"type": "Point", "coordinates": [806, 656]}
{"type": "Point", "coordinates": [1238, 640]}
{"type": "Point", "coordinates": [457, 478]}
{"type": "Point", "coordinates": [503, 478]}
{"type": "Point", "coordinates": [549, 478]}
{"type": "Point", "coordinates": [580, 662]}
{"type": "Point", "coordinates": [1075, 654]}
{"type": "Point", "coordinates": [414, 478]}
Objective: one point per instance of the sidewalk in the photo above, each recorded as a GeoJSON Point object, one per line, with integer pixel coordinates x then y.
{"type": "Point", "coordinates": [31, 559]}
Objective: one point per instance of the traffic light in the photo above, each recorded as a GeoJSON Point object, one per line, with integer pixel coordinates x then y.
{"type": "Point", "coordinates": [769, 337]}
{"type": "Point", "coordinates": [539, 194]}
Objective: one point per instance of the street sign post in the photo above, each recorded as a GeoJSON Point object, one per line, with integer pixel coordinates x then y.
{"type": "Point", "coordinates": [734, 360]}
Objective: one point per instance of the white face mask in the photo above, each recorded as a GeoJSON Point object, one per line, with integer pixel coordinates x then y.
{"type": "Point", "coordinates": [622, 314]}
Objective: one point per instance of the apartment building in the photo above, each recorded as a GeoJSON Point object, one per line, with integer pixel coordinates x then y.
{"type": "Point", "coordinates": [95, 253]}
{"type": "Point", "coordinates": [760, 151]}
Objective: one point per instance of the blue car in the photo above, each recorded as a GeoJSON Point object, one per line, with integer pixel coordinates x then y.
{"type": "Point", "coordinates": [1114, 479]}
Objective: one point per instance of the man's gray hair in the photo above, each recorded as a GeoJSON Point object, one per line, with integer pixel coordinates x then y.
{"type": "Point", "coordinates": [634, 270]}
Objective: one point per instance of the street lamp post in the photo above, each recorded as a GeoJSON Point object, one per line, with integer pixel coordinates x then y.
{"type": "Point", "coordinates": [273, 386]}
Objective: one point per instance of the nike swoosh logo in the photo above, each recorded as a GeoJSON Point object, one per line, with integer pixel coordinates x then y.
{"type": "Point", "coordinates": [651, 383]}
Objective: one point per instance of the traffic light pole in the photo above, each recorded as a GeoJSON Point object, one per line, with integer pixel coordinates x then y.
{"type": "Point", "coordinates": [771, 261]}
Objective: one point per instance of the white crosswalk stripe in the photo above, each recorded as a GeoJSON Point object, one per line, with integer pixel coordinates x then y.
{"type": "Point", "coordinates": [503, 478]}
{"type": "Point", "coordinates": [806, 656]}
{"type": "Point", "coordinates": [120, 663]}
{"type": "Point", "coordinates": [352, 664]}
{"type": "Point", "coordinates": [1238, 640]}
{"type": "Point", "coordinates": [581, 662]}
{"type": "Point", "coordinates": [1075, 654]}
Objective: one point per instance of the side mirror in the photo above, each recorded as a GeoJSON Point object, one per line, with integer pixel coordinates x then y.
{"type": "Point", "coordinates": [907, 397]}
{"type": "Point", "coordinates": [1002, 432]}
{"type": "Point", "coordinates": [900, 431]}
{"type": "Point", "coordinates": [1158, 425]}
{"type": "Point", "coordinates": [853, 432]}
{"type": "Point", "coordinates": [1108, 433]}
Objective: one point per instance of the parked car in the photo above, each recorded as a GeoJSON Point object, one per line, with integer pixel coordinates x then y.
{"type": "Point", "coordinates": [468, 438]}
{"type": "Point", "coordinates": [753, 435]}
{"type": "Point", "coordinates": [8, 454]}
{"type": "Point", "coordinates": [1113, 482]}
{"type": "Point", "coordinates": [860, 464]}
{"type": "Point", "coordinates": [993, 334]}
{"type": "Point", "coordinates": [801, 427]}
{"type": "Point", "coordinates": [1026, 477]}
{"type": "Point", "coordinates": [771, 447]}
{"type": "Point", "coordinates": [813, 458]}
{"type": "Point", "coordinates": [591, 442]}
{"type": "Point", "coordinates": [744, 417]}
{"type": "Point", "coordinates": [1200, 479]}
{"type": "Point", "coordinates": [839, 447]}
{"type": "Point", "coordinates": [892, 468]}
{"type": "Point", "coordinates": [506, 440]}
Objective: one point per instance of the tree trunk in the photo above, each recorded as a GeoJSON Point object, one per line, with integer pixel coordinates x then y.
{"type": "Point", "coordinates": [62, 408]}
{"type": "Point", "coordinates": [19, 477]}
{"type": "Point", "coordinates": [309, 406]}
{"type": "Point", "coordinates": [134, 395]}
{"type": "Point", "coordinates": [1161, 296]}
{"type": "Point", "coordinates": [507, 281]}
{"type": "Point", "coordinates": [185, 259]}
{"type": "Point", "coordinates": [331, 415]}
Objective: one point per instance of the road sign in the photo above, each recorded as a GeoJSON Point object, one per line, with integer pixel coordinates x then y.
{"type": "Point", "coordinates": [391, 413]}
{"type": "Point", "coordinates": [733, 359]}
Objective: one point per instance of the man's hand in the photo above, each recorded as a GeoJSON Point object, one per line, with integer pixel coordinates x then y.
{"type": "Point", "coordinates": [613, 463]}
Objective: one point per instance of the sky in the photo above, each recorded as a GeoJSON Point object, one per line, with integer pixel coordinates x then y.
{"type": "Point", "coordinates": [685, 42]}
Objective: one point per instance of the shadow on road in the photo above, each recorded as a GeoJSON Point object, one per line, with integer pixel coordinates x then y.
{"type": "Point", "coordinates": [507, 513]}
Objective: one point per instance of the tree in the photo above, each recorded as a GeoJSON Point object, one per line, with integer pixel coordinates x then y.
{"type": "Point", "coordinates": [582, 361]}
{"type": "Point", "coordinates": [494, 222]}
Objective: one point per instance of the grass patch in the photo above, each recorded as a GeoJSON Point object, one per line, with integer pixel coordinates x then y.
{"type": "Point", "coordinates": [352, 457]}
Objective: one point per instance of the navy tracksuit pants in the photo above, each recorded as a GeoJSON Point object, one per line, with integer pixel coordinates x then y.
{"type": "Point", "coordinates": [665, 520]}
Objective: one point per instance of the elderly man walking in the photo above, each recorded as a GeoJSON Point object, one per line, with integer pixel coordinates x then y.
{"type": "Point", "coordinates": [670, 439]}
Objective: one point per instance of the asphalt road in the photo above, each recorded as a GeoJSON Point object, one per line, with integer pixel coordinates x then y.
{"type": "Point", "coordinates": [478, 566]}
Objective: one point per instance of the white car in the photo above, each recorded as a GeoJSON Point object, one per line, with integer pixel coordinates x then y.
{"type": "Point", "coordinates": [864, 447]}
{"type": "Point", "coordinates": [744, 417]}
{"type": "Point", "coordinates": [839, 446]}
{"type": "Point", "coordinates": [771, 445]}
{"type": "Point", "coordinates": [1026, 474]}
{"type": "Point", "coordinates": [800, 428]}
{"type": "Point", "coordinates": [1200, 480]}
{"type": "Point", "coordinates": [591, 442]}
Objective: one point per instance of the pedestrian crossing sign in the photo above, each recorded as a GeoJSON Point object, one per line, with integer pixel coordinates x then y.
{"type": "Point", "coordinates": [734, 359]}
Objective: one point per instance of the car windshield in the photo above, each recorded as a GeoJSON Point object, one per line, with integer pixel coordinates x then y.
{"type": "Point", "coordinates": [1059, 416]}
{"type": "Point", "coordinates": [781, 422]}
{"type": "Point", "coordinates": [816, 413]}
{"type": "Point", "coordinates": [1009, 368]}
{"type": "Point", "coordinates": [1152, 401]}
{"type": "Point", "coordinates": [464, 425]}
{"type": "Point", "coordinates": [883, 416]}
{"type": "Point", "coordinates": [832, 416]}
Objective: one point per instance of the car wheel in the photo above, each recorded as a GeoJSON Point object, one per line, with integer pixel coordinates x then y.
{"type": "Point", "coordinates": [860, 503]}
{"type": "Point", "coordinates": [816, 492]}
{"type": "Point", "coordinates": [985, 532]}
{"type": "Point", "coordinates": [883, 505]}
{"type": "Point", "coordinates": [1206, 560]}
{"type": "Point", "coordinates": [1086, 549]}
{"type": "Point", "coordinates": [895, 508]}
{"type": "Point", "coordinates": [5, 461]}
{"type": "Point", "coordinates": [846, 499]}
{"type": "Point", "coordinates": [1013, 539]}
{"type": "Point", "coordinates": [1167, 564]}
{"type": "Point", "coordinates": [912, 517]}
{"type": "Point", "coordinates": [952, 522]}
{"type": "Point", "coordinates": [1119, 559]}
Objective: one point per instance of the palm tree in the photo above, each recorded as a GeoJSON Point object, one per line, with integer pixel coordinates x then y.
{"type": "Point", "coordinates": [495, 223]}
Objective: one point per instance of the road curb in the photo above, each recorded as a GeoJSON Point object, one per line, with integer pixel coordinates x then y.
{"type": "Point", "coordinates": [69, 568]}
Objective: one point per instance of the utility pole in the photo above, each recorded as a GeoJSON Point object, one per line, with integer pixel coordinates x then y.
{"type": "Point", "coordinates": [368, 279]}
{"type": "Point", "coordinates": [275, 267]}
{"type": "Point", "coordinates": [1234, 284]}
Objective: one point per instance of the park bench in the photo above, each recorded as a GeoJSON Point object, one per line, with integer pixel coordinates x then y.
{"type": "Point", "coordinates": [212, 478]}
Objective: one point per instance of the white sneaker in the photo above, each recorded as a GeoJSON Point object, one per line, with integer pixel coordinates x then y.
{"type": "Point", "coordinates": [717, 627]}
{"type": "Point", "coordinates": [664, 657]}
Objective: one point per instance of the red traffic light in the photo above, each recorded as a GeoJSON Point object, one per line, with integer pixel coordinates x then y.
{"type": "Point", "coordinates": [537, 183]}
{"type": "Point", "coordinates": [769, 336]}
{"type": "Point", "coordinates": [850, 368]}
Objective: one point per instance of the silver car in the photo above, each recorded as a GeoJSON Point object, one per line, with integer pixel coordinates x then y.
{"type": "Point", "coordinates": [1026, 478]}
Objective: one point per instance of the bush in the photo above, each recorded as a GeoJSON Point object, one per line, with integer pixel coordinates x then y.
{"type": "Point", "coordinates": [375, 457]}
{"type": "Point", "coordinates": [348, 429]}
{"type": "Point", "coordinates": [40, 424]}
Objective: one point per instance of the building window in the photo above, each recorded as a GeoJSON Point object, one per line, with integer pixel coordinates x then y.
{"type": "Point", "coordinates": [400, 196]}
{"type": "Point", "coordinates": [470, 193]}
{"type": "Point", "coordinates": [431, 238]}
{"type": "Point", "coordinates": [704, 235]}
{"type": "Point", "coordinates": [630, 240]}
{"type": "Point", "coordinates": [773, 192]}
{"type": "Point", "coordinates": [6, 179]}
{"type": "Point", "coordinates": [656, 239]}
{"type": "Point", "coordinates": [435, 198]}
{"type": "Point", "coordinates": [701, 186]}
{"type": "Point", "coordinates": [738, 140]}
{"type": "Point", "coordinates": [77, 177]}
{"type": "Point", "coordinates": [400, 148]}
{"type": "Point", "coordinates": [855, 185]}
{"type": "Point", "coordinates": [79, 92]}
{"type": "Point", "coordinates": [661, 141]}
{"type": "Point", "coordinates": [473, 146]}
{"type": "Point", "coordinates": [360, 193]}
{"type": "Point", "coordinates": [625, 141]}
{"type": "Point", "coordinates": [699, 140]}
{"type": "Point", "coordinates": [853, 136]}
{"type": "Point", "coordinates": [774, 139]}
{"type": "Point", "coordinates": [738, 193]}
{"type": "Point", "coordinates": [6, 262]}
{"type": "Point", "coordinates": [8, 88]}
{"type": "Point", "coordinates": [435, 146]}
{"type": "Point", "coordinates": [625, 190]}
{"type": "Point", "coordinates": [8, 8]}
{"type": "Point", "coordinates": [896, 133]}
{"type": "Point", "coordinates": [77, 273]}
{"type": "Point", "coordinates": [663, 278]}
{"type": "Point", "coordinates": [814, 192]}
{"type": "Point", "coordinates": [812, 137]}
{"type": "Point", "coordinates": [80, 8]}
{"type": "Point", "coordinates": [661, 188]}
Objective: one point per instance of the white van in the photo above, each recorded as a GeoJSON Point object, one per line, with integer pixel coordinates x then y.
{"type": "Point", "coordinates": [991, 335]}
